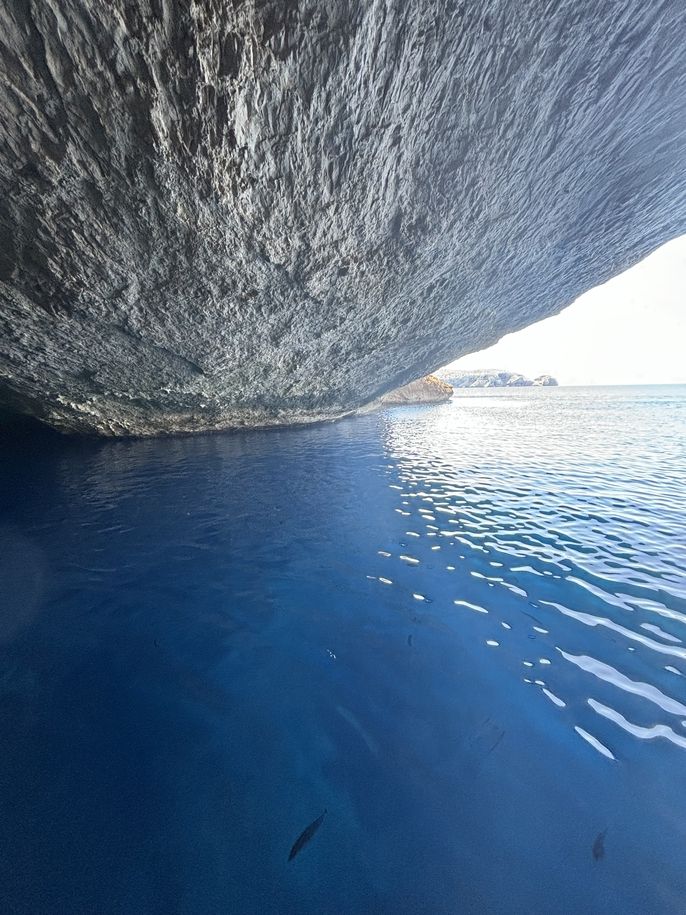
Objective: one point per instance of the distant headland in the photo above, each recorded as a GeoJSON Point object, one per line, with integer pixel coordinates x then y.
{"type": "Point", "coordinates": [496, 378]}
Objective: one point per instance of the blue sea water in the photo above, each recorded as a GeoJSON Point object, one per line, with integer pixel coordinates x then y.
{"type": "Point", "coordinates": [458, 629]}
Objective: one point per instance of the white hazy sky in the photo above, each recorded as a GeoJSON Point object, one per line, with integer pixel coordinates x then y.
{"type": "Point", "coordinates": [632, 330]}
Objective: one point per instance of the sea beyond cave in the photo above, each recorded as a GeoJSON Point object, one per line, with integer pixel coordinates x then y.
{"type": "Point", "coordinates": [430, 659]}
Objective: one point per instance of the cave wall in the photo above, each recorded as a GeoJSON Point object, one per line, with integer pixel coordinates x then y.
{"type": "Point", "coordinates": [215, 214]}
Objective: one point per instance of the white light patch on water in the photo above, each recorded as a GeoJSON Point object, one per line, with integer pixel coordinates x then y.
{"type": "Point", "coordinates": [409, 559]}
{"type": "Point", "coordinates": [667, 636]}
{"type": "Point", "coordinates": [604, 672]}
{"type": "Point", "coordinates": [385, 581]}
{"type": "Point", "coordinates": [383, 553]}
{"type": "Point", "coordinates": [657, 730]}
{"type": "Point", "coordinates": [529, 569]}
{"type": "Point", "coordinates": [553, 698]}
{"type": "Point", "coordinates": [465, 603]}
{"type": "Point", "coordinates": [594, 742]}
{"type": "Point", "coordinates": [589, 620]}
{"type": "Point", "coordinates": [492, 643]}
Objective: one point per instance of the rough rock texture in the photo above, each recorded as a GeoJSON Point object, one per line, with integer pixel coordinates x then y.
{"type": "Point", "coordinates": [424, 390]}
{"type": "Point", "coordinates": [545, 381]}
{"type": "Point", "coordinates": [220, 213]}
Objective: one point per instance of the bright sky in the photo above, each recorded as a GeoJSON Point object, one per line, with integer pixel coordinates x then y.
{"type": "Point", "coordinates": [632, 330]}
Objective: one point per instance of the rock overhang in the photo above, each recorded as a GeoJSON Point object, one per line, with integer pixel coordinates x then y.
{"type": "Point", "coordinates": [218, 215]}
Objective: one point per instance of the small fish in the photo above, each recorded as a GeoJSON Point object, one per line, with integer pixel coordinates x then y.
{"type": "Point", "coordinates": [305, 836]}
{"type": "Point", "coordinates": [599, 846]}
{"type": "Point", "coordinates": [496, 742]}
{"type": "Point", "coordinates": [409, 640]}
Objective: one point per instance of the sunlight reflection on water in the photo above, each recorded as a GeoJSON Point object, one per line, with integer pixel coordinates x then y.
{"type": "Point", "coordinates": [558, 484]}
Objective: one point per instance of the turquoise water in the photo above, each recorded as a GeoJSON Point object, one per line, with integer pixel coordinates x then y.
{"type": "Point", "coordinates": [459, 629]}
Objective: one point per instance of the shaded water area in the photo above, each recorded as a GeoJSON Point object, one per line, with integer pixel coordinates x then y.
{"type": "Point", "coordinates": [459, 630]}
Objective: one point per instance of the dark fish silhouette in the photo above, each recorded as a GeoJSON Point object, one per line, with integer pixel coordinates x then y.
{"type": "Point", "coordinates": [305, 836]}
{"type": "Point", "coordinates": [500, 736]}
{"type": "Point", "coordinates": [409, 640]}
{"type": "Point", "coordinates": [599, 845]}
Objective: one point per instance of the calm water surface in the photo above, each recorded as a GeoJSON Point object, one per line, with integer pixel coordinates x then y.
{"type": "Point", "coordinates": [460, 630]}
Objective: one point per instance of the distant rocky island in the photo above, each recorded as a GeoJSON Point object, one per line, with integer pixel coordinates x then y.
{"type": "Point", "coordinates": [434, 389]}
{"type": "Point", "coordinates": [497, 378]}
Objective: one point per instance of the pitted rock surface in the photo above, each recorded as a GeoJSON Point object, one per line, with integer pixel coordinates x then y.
{"type": "Point", "coordinates": [215, 214]}
{"type": "Point", "coordinates": [424, 390]}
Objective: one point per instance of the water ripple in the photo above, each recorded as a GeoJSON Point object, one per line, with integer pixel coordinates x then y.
{"type": "Point", "coordinates": [558, 521]}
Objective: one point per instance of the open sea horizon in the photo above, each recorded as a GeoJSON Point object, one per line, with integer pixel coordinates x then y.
{"type": "Point", "coordinates": [450, 638]}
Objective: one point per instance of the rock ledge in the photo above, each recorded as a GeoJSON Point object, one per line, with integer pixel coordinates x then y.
{"type": "Point", "coordinates": [429, 389]}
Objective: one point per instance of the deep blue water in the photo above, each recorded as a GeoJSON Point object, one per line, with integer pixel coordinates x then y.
{"type": "Point", "coordinates": [459, 629]}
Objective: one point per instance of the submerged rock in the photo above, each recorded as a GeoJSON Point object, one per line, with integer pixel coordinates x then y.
{"type": "Point", "coordinates": [429, 389]}
{"type": "Point", "coordinates": [221, 214]}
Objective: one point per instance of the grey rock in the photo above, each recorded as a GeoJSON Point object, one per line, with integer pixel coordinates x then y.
{"type": "Point", "coordinates": [545, 381]}
{"type": "Point", "coordinates": [216, 214]}
{"type": "Point", "coordinates": [424, 390]}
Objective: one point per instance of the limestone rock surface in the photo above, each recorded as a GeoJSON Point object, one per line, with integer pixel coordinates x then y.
{"type": "Point", "coordinates": [424, 390]}
{"type": "Point", "coordinates": [215, 214]}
